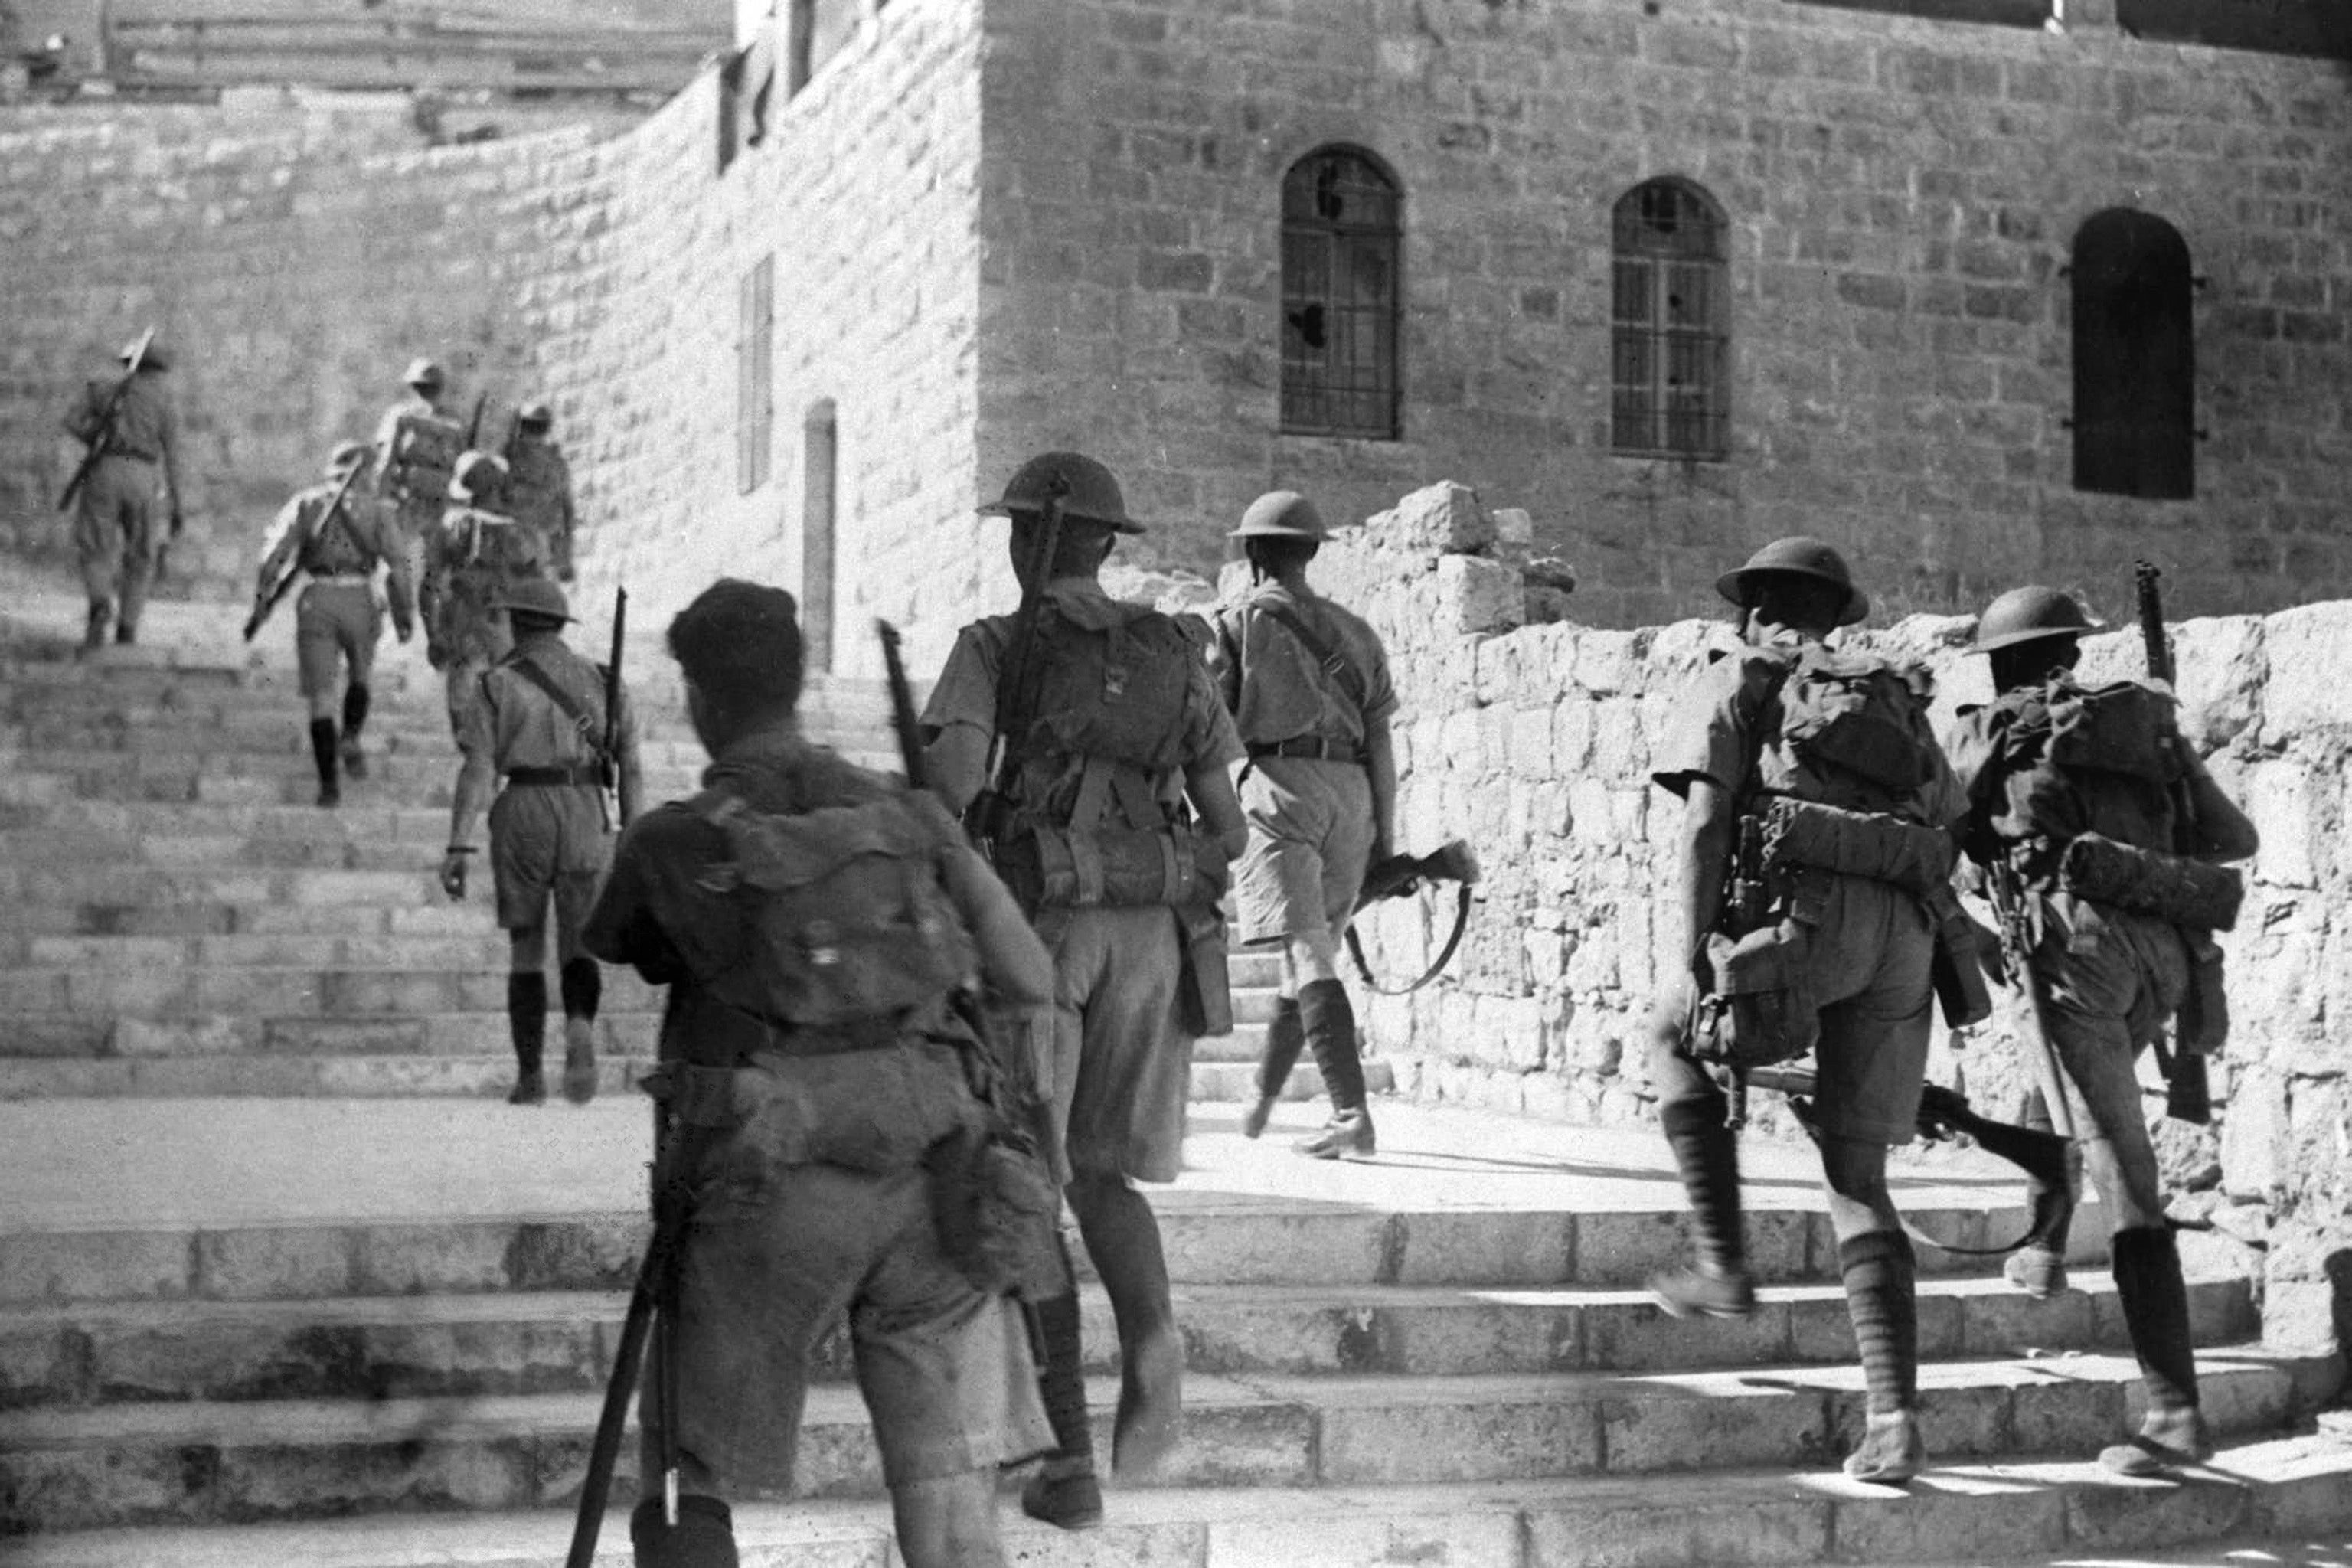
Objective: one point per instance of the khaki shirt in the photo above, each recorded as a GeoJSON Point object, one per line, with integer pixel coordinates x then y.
{"type": "Point", "coordinates": [519, 725]}
{"type": "Point", "coordinates": [351, 543]}
{"type": "Point", "coordinates": [469, 558]}
{"type": "Point", "coordinates": [1279, 691]}
{"type": "Point", "coordinates": [145, 426]}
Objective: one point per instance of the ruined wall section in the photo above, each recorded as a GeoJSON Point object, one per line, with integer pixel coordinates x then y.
{"type": "Point", "coordinates": [1902, 195]}
{"type": "Point", "coordinates": [1534, 741]}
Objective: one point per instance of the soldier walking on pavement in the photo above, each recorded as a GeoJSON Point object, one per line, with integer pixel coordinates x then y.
{"type": "Point", "coordinates": [114, 532]}
{"type": "Point", "coordinates": [2104, 975]}
{"type": "Point", "coordinates": [538, 720]}
{"type": "Point", "coordinates": [474, 552]}
{"type": "Point", "coordinates": [539, 486]}
{"type": "Point", "coordinates": [337, 544]}
{"type": "Point", "coordinates": [797, 1117]}
{"type": "Point", "coordinates": [1845, 736]}
{"type": "Point", "coordinates": [1112, 725]}
{"type": "Point", "coordinates": [1307, 684]}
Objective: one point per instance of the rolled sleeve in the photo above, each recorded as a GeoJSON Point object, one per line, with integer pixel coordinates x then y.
{"type": "Point", "coordinates": [965, 692]}
{"type": "Point", "coordinates": [1711, 735]}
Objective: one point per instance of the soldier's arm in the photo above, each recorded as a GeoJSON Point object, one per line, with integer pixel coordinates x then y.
{"type": "Point", "coordinates": [401, 589]}
{"type": "Point", "coordinates": [167, 435]}
{"type": "Point", "coordinates": [1210, 787]}
{"type": "Point", "coordinates": [84, 417]}
{"type": "Point", "coordinates": [959, 718]}
{"type": "Point", "coordinates": [2224, 833]}
{"type": "Point", "coordinates": [957, 763]}
{"type": "Point", "coordinates": [1708, 826]}
{"type": "Point", "coordinates": [477, 774]}
{"type": "Point", "coordinates": [1015, 965]}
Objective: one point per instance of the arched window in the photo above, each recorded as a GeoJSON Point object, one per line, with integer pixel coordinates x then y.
{"type": "Point", "coordinates": [1671, 323]}
{"type": "Point", "coordinates": [2135, 359]}
{"type": "Point", "coordinates": [819, 458]}
{"type": "Point", "coordinates": [1341, 216]}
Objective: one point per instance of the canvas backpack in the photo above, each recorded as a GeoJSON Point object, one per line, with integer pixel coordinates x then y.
{"type": "Point", "coordinates": [1117, 694]}
{"type": "Point", "coordinates": [2075, 759]}
{"type": "Point", "coordinates": [844, 918]}
{"type": "Point", "coordinates": [1848, 730]}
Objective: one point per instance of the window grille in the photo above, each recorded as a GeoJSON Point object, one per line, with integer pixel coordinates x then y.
{"type": "Point", "coordinates": [1341, 222]}
{"type": "Point", "coordinates": [2135, 359]}
{"type": "Point", "coordinates": [1670, 319]}
{"type": "Point", "coordinates": [755, 375]}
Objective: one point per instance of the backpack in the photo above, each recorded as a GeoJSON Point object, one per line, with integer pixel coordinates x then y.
{"type": "Point", "coordinates": [1117, 694]}
{"type": "Point", "coordinates": [1847, 729]}
{"type": "Point", "coordinates": [2075, 760]}
{"type": "Point", "coordinates": [845, 918]}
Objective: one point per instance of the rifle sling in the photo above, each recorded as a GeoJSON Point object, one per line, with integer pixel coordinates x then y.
{"type": "Point", "coordinates": [1349, 680]}
{"type": "Point", "coordinates": [1445, 956]}
{"type": "Point", "coordinates": [528, 667]}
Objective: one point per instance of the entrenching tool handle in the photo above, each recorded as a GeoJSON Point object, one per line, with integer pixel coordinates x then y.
{"type": "Point", "coordinates": [2187, 1093]}
{"type": "Point", "coordinates": [902, 706]}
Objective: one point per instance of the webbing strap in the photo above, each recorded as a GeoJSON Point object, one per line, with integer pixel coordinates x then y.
{"type": "Point", "coordinates": [1453, 941]}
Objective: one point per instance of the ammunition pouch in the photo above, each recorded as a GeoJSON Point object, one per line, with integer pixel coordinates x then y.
{"type": "Point", "coordinates": [1958, 967]}
{"type": "Point", "coordinates": [1759, 1008]}
{"type": "Point", "coordinates": [2204, 1015]}
{"type": "Point", "coordinates": [1204, 998]}
{"type": "Point", "coordinates": [2173, 888]}
{"type": "Point", "coordinates": [1104, 867]}
{"type": "Point", "coordinates": [1908, 855]}
{"type": "Point", "coordinates": [997, 1211]}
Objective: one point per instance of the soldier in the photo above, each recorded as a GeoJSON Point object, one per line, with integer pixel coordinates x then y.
{"type": "Point", "coordinates": [333, 535]}
{"type": "Point", "coordinates": [1307, 684]}
{"type": "Point", "coordinates": [416, 449]}
{"type": "Point", "coordinates": [474, 552]}
{"type": "Point", "coordinates": [539, 721]}
{"type": "Point", "coordinates": [811, 1197]}
{"type": "Point", "coordinates": [115, 525]}
{"type": "Point", "coordinates": [1111, 723]}
{"type": "Point", "coordinates": [540, 485]}
{"type": "Point", "coordinates": [2104, 975]}
{"type": "Point", "coordinates": [1845, 736]}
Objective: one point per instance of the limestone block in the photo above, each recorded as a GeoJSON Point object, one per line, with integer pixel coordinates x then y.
{"type": "Point", "coordinates": [2224, 668]}
{"type": "Point", "coordinates": [1703, 1529]}
{"type": "Point", "coordinates": [2307, 651]}
{"type": "Point", "coordinates": [1607, 663]}
{"type": "Point", "coordinates": [1710, 1423]}
{"type": "Point", "coordinates": [266, 1263]}
{"type": "Point", "coordinates": [1444, 517]}
{"type": "Point", "coordinates": [1619, 753]}
{"type": "Point", "coordinates": [1497, 1438]}
{"type": "Point", "coordinates": [2284, 801]}
{"type": "Point", "coordinates": [1472, 594]}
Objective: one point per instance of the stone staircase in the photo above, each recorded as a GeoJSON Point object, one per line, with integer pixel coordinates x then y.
{"type": "Point", "coordinates": [365, 1327]}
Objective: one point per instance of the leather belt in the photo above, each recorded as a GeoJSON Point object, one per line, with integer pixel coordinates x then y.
{"type": "Point", "coordinates": [555, 778]}
{"type": "Point", "coordinates": [1315, 748]}
{"type": "Point", "coordinates": [343, 579]}
{"type": "Point", "coordinates": [127, 452]}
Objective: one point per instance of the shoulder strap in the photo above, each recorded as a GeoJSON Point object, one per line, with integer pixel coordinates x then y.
{"type": "Point", "coordinates": [1334, 663]}
{"type": "Point", "coordinates": [529, 668]}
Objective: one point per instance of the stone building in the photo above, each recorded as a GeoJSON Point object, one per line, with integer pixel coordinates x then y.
{"type": "Point", "coordinates": [1976, 289]}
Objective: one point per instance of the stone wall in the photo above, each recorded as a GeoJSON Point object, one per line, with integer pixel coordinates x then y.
{"type": "Point", "coordinates": [1902, 194]}
{"type": "Point", "coordinates": [1534, 743]}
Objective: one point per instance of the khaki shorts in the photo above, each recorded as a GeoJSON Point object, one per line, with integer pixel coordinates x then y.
{"type": "Point", "coordinates": [1120, 1069]}
{"type": "Point", "coordinates": [548, 841]}
{"type": "Point", "coordinates": [774, 1255]}
{"type": "Point", "coordinates": [2108, 980]}
{"type": "Point", "coordinates": [335, 621]}
{"type": "Point", "coordinates": [1311, 834]}
{"type": "Point", "coordinates": [1870, 961]}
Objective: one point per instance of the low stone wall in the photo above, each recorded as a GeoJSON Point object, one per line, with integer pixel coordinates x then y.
{"type": "Point", "coordinates": [1534, 741]}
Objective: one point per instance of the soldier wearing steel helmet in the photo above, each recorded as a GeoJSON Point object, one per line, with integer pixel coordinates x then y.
{"type": "Point", "coordinates": [417, 445]}
{"type": "Point", "coordinates": [2048, 762]}
{"type": "Point", "coordinates": [1112, 731]}
{"type": "Point", "coordinates": [337, 537]}
{"type": "Point", "coordinates": [475, 552]}
{"type": "Point", "coordinates": [1745, 737]}
{"type": "Point", "coordinates": [1308, 683]}
{"type": "Point", "coordinates": [540, 485]}
{"type": "Point", "coordinates": [132, 432]}
{"type": "Point", "coordinates": [537, 724]}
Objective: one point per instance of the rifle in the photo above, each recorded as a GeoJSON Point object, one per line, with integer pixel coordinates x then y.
{"type": "Point", "coordinates": [2046, 1158]}
{"type": "Point", "coordinates": [989, 817]}
{"type": "Point", "coordinates": [2188, 1094]}
{"type": "Point", "coordinates": [474, 425]}
{"type": "Point", "coordinates": [266, 602]}
{"type": "Point", "coordinates": [105, 431]}
{"type": "Point", "coordinates": [2014, 909]}
{"type": "Point", "coordinates": [1400, 875]}
{"type": "Point", "coordinates": [902, 707]}
{"type": "Point", "coordinates": [609, 763]}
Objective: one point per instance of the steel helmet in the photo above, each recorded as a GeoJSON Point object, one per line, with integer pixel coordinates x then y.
{"type": "Point", "coordinates": [423, 372]}
{"type": "Point", "coordinates": [1807, 557]}
{"type": "Point", "coordinates": [1087, 490]}
{"type": "Point", "coordinates": [535, 596]}
{"type": "Point", "coordinates": [348, 455]}
{"type": "Point", "coordinates": [2022, 614]}
{"type": "Point", "coordinates": [1280, 514]}
{"type": "Point", "coordinates": [536, 413]}
{"type": "Point", "coordinates": [476, 475]}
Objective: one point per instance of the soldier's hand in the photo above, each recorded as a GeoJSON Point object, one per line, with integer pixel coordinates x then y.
{"type": "Point", "coordinates": [453, 872]}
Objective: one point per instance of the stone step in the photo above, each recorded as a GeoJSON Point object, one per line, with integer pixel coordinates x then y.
{"type": "Point", "coordinates": [398, 773]}
{"type": "Point", "coordinates": [278, 991]}
{"type": "Point", "coordinates": [2266, 1502]}
{"type": "Point", "coordinates": [548, 1342]}
{"type": "Point", "coordinates": [483, 1071]}
{"type": "Point", "coordinates": [198, 1462]}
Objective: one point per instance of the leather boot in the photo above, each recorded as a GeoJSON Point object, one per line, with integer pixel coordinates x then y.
{"type": "Point", "coordinates": [2147, 1268]}
{"type": "Point", "coordinates": [323, 755]}
{"type": "Point", "coordinates": [1122, 1236]}
{"type": "Point", "coordinates": [527, 1023]}
{"type": "Point", "coordinates": [1330, 1021]}
{"type": "Point", "coordinates": [1881, 1283]}
{"type": "Point", "coordinates": [703, 1537]}
{"type": "Point", "coordinates": [356, 698]}
{"type": "Point", "coordinates": [1286, 1036]}
{"type": "Point", "coordinates": [1706, 1152]}
{"type": "Point", "coordinates": [582, 984]}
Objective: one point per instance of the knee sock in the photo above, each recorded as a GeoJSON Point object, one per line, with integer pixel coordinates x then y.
{"type": "Point", "coordinates": [2147, 1267]}
{"type": "Point", "coordinates": [1062, 1384]}
{"type": "Point", "coordinates": [527, 1018]}
{"type": "Point", "coordinates": [322, 750]}
{"type": "Point", "coordinates": [1880, 1284]}
{"type": "Point", "coordinates": [1286, 1036]}
{"type": "Point", "coordinates": [582, 984]}
{"type": "Point", "coordinates": [1708, 1155]}
{"type": "Point", "coordinates": [1330, 1026]}
{"type": "Point", "coordinates": [703, 1537]}
{"type": "Point", "coordinates": [355, 709]}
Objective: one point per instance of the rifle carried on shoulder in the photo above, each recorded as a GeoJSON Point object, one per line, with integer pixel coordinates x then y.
{"type": "Point", "coordinates": [268, 602]}
{"type": "Point", "coordinates": [2187, 1093]}
{"type": "Point", "coordinates": [989, 817]}
{"type": "Point", "coordinates": [2047, 1158]}
{"type": "Point", "coordinates": [608, 761]}
{"type": "Point", "coordinates": [2014, 908]}
{"type": "Point", "coordinates": [100, 437]}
